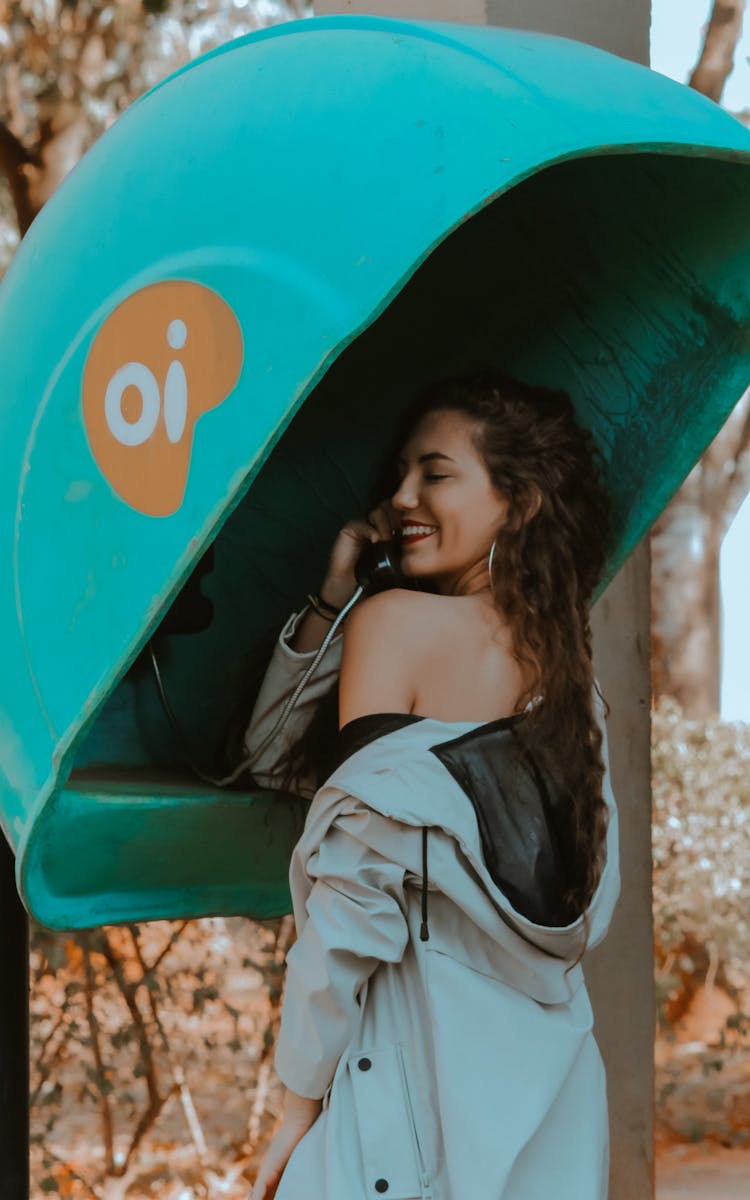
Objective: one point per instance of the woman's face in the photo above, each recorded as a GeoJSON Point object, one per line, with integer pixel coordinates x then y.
{"type": "Point", "coordinates": [444, 485]}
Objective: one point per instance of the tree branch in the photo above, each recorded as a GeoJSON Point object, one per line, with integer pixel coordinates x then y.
{"type": "Point", "coordinates": [178, 1075]}
{"type": "Point", "coordinates": [43, 1068]}
{"type": "Point", "coordinates": [71, 1171]}
{"type": "Point", "coordinates": [106, 1110]}
{"type": "Point", "coordinates": [283, 936]}
{"type": "Point", "coordinates": [733, 468]}
{"type": "Point", "coordinates": [155, 1101]}
{"type": "Point", "coordinates": [149, 968]}
{"type": "Point", "coordinates": [14, 157]}
{"type": "Point", "coordinates": [716, 61]}
{"type": "Point", "coordinates": [725, 467]}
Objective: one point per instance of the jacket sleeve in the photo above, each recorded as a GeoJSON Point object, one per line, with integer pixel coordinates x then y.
{"type": "Point", "coordinates": [354, 918]}
{"type": "Point", "coordinates": [285, 669]}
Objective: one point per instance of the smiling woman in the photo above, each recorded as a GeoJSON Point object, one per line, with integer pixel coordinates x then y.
{"type": "Point", "coordinates": [462, 706]}
{"type": "Point", "coordinates": [412, 531]}
{"type": "Point", "coordinates": [498, 616]}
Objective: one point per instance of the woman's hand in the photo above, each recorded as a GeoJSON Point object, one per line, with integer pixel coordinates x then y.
{"type": "Point", "coordinates": [340, 582]}
{"type": "Point", "coordinates": [280, 1148]}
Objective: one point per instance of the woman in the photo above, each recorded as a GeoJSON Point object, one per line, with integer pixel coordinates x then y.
{"type": "Point", "coordinates": [446, 1050]}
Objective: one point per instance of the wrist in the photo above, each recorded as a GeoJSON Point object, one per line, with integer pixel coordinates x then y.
{"type": "Point", "coordinates": [335, 593]}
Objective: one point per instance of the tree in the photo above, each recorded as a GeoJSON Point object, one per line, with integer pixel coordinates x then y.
{"type": "Point", "coordinates": [716, 60]}
{"type": "Point", "coordinates": [686, 538]}
{"type": "Point", "coordinates": [69, 67]}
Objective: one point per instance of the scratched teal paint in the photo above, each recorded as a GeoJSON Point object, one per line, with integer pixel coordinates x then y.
{"type": "Point", "coordinates": [331, 179]}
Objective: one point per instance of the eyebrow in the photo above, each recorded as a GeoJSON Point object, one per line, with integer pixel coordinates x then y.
{"type": "Point", "coordinates": [426, 457]}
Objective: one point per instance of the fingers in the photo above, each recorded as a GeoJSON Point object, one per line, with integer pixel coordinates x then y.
{"type": "Point", "coordinates": [382, 518]}
{"type": "Point", "coordinates": [268, 1190]}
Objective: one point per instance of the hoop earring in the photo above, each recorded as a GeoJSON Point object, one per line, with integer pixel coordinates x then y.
{"type": "Point", "coordinates": [489, 568]}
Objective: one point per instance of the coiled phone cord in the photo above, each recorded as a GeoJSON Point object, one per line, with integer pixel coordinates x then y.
{"type": "Point", "coordinates": [247, 763]}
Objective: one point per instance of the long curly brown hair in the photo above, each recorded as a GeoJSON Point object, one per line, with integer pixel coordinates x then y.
{"type": "Point", "coordinates": [545, 570]}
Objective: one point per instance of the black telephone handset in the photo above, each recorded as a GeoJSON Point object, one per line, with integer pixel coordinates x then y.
{"type": "Point", "coordinates": [378, 567]}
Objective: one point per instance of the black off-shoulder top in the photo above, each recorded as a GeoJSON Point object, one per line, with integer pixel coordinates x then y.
{"type": "Point", "coordinates": [360, 731]}
{"type": "Point", "coordinates": [525, 821]}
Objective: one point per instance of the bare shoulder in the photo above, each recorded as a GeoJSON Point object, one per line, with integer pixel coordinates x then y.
{"type": "Point", "coordinates": [403, 614]}
{"type": "Point", "coordinates": [383, 639]}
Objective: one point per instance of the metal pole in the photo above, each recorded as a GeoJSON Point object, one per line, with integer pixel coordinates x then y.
{"type": "Point", "coordinates": [14, 1034]}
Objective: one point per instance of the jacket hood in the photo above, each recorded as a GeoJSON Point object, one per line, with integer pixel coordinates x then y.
{"type": "Point", "coordinates": [391, 789]}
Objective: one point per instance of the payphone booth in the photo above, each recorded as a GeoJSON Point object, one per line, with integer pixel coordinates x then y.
{"type": "Point", "coordinates": [207, 336]}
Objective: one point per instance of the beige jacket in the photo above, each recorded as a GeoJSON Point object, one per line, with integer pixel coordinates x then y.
{"type": "Point", "coordinates": [460, 1067]}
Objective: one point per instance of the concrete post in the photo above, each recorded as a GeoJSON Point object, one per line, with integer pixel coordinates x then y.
{"type": "Point", "coordinates": [622, 28]}
{"type": "Point", "coordinates": [619, 973]}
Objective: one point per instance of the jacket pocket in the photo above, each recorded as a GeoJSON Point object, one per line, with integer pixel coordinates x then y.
{"type": "Point", "coordinates": [391, 1152]}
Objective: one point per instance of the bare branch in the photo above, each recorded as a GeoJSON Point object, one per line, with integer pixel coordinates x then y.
{"type": "Point", "coordinates": [71, 1171]}
{"type": "Point", "coordinates": [737, 491]}
{"type": "Point", "coordinates": [716, 61]}
{"type": "Point", "coordinates": [14, 158]}
{"type": "Point", "coordinates": [43, 1068]}
{"type": "Point", "coordinates": [148, 969]}
{"type": "Point", "coordinates": [736, 467]}
{"type": "Point", "coordinates": [178, 1075]}
{"type": "Point", "coordinates": [105, 1107]}
{"type": "Point", "coordinates": [282, 938]}
{"type": "Point", "coordinates": [155, 1100]}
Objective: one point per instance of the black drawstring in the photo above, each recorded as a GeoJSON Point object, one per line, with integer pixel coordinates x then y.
{"type": "Point", "coordinates": [423, 931]}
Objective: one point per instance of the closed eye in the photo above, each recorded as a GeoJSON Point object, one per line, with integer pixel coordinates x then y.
{"type": "Point", "coordinates": [427, 478]}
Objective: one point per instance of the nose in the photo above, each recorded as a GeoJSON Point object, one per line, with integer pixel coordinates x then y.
{"type": "Point", "coordinates": [404, 498]}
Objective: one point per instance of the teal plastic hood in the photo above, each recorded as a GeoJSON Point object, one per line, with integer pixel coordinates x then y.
{"type": "Point", "coordinates": [207, 336]}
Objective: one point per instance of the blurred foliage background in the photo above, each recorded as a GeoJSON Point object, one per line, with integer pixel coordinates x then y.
{"type": "Point", "coordinates": [701, 839]}
{"type": "Point", "coordinates": [69, 67]}
{"type": "Point", "coordinates": [701, 880]}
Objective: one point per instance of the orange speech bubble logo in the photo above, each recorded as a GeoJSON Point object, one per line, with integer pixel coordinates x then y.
{"type": "Point", "coordinates": [165, 356]}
